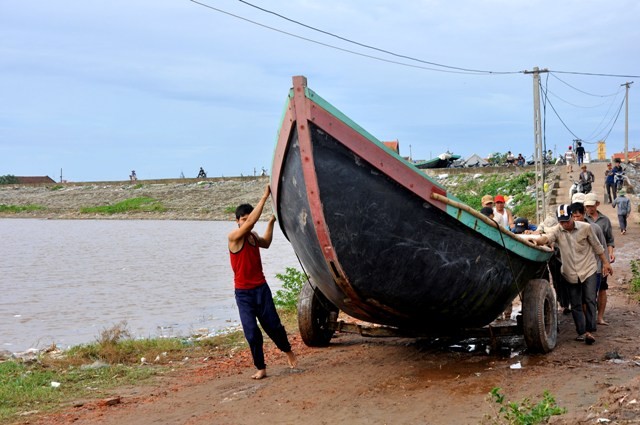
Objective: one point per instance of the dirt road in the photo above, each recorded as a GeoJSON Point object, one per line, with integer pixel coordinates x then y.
{"type": "Point", "coordinates": [359, 380]}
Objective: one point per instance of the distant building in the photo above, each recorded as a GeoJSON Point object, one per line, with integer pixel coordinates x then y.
{"type": "Point", "coordinates": [634, 156]}
{"type": "Point", "coordinates": [394, 145]}
{"type": "Point", "coordinates": [35, 180]}
{"type": "Point", "coordinates": [475, 160]}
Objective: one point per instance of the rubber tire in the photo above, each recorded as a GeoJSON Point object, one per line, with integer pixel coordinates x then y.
{"type": "Point", "coordinates": [314, 314]}
{"type": "Point", "coordinates": [539, 316]}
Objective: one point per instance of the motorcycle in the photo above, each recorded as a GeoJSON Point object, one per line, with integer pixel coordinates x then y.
{"type": "Point", "coordinates": [618, 180]}
{"type": "Point", "coordinates": [578, 187]}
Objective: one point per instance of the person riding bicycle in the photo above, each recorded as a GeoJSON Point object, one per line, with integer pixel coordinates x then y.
{"type": "Point", "coordinates": [202, 174]}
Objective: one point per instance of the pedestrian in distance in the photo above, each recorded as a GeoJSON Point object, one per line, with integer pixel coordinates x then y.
{"type": "Point", "coordinates": [586, 178]}
{"type": "Point", "coordinates": [580, 153]}
{"type": "Point", "coordinates": [252, 293]}
{"type": "Point", "coordinates": [609, 183]}
{"type": "Point", "coordinates": [624, 210]}
{"type": "Point", "coordinates": [577, 244]}
{"type": "Point", "coordinates": [569, 159]}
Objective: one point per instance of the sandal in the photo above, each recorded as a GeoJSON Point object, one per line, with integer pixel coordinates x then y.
{"type": "Point", "coordinates": [589, 339]}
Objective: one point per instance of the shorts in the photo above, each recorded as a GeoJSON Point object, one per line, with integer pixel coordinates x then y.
{"type": "Point", "coordinates": [603, 284]}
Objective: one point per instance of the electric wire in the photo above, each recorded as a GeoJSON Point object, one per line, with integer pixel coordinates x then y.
{"type": "Point", "coordinates": [451, 71]}
{"type": "Point", "coordinates": [582, 91]}
{"type": "Point", "coordinates": [480, 71]}
{"type": "Point", "coordinates": [449, 68]}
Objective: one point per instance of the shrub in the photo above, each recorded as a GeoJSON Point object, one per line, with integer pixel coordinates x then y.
{"type": "Point", "coordinates": [523, 413]}
{"type": "Point", "coordinates": [292, 281]}
{"type": "Point", "coordinates": [635, 275]}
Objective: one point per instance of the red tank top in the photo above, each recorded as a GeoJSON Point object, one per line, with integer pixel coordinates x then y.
{"type": "Point", "coordinates": [247, 265]}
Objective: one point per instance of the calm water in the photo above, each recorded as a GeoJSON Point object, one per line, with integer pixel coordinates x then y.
{"type": "Point", "coordinates": [64, 281]}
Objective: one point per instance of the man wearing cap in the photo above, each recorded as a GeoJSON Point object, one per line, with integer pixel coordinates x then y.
{"type": "Point", "coordinates": [577, 244]}
{"type": "Point", "coordinates": [487, 201]}
{"type": "Point", "coordinates": [501, 214]}
{"type": "Point", "coordinates": [521, 226]}
{"type": "Point", "coordinates": [624, 209]}
{"type": "Point", "coordinates": [591, 204]}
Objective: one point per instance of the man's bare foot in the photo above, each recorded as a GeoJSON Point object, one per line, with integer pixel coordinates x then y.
{"type": "Point", "coordinates": [602, 322]}
{"type": "Point", "coordinates": [292, 359]}
{"type": "Point", "coordinates": [262, 373]}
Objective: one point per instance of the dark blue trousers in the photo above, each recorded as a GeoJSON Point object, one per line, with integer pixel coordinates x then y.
{"type": "Point", "coordinates": [258, 304]}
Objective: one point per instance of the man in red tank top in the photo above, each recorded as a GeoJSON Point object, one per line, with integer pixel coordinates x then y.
{"type": "Point", "coordinates": [253, 295]}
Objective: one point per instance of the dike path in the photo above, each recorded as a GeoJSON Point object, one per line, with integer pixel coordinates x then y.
{"type": "Point", "coordinates": [183, 199]}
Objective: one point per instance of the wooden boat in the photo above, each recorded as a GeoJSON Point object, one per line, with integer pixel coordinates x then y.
{"type": "Point", "coordinates": [384, 243]}
{"type": "Point", "coordinates": [443, 160]}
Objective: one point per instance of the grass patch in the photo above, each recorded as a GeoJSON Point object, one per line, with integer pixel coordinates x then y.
{"type": "Point", "coordinates": [635, 278]}
{"type": "Point", "coordinates": [519, 187]}
{"type": "Point", "coordinates": [523, 412]}
{"type": "Point", "coordinates": [56, 187]}
{"type": "Point", "coordinates": [19, 208]}
{"type": "Point", "coordinates": [88, 371]}
{"type": "Point", "coordinates": [142, 204]}
{"type": "Point", "coordinates": [43, 387]}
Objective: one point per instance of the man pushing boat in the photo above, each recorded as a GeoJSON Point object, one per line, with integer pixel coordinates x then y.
{"type": "Point", "coordinates": [252, 293]}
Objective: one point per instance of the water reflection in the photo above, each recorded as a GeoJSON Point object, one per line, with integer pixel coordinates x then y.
{"type": "Point", "coordinates": [63, 281]}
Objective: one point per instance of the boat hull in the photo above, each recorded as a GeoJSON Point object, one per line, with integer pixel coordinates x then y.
{"type": "Point", "coordinates": [373, 238]}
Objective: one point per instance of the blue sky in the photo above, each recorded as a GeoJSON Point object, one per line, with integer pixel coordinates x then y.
{"type": "Point", "coordinates": [99, 88]}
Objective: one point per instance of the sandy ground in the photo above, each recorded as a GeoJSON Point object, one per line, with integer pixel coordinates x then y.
{"type": "Point", "coordinates": [361, 380]}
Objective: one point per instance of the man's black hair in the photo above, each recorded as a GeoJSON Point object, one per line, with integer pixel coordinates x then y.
{"type": "Point", "coordinates": [242, 210]}
{"type": "Point", "coordinates": [577, 207]}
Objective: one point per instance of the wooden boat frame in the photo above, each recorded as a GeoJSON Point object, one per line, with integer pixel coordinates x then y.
{"type": "Point", "coordinates": [331, 287]}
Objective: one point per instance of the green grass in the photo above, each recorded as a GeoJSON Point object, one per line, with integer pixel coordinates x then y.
{"type": "Point", "coordinates": [470, 191]}
{"type": "Point", "coordinates": [142, 204]}
{"type": "Point", "coordinates": [90, 370]}
{"type": "Point", "coordinates": [635, 277]}
{"type": "Point", "coordinates": [28, 387]}
{"type": "Point", "coordinates": [524, 412]}
{"type": "Point", "coordinates": [19, 208]}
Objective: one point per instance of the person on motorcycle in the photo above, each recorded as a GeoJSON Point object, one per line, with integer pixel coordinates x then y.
{"type": "Point", "coordinates": [585, 179]}
{"type": "Point", "coordinates": [618, 175]}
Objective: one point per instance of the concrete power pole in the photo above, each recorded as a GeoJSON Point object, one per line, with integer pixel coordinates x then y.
{"type": "Point", "coordinates": [538, 156]}
{"type": "Point", "coordinates": [626, 121]}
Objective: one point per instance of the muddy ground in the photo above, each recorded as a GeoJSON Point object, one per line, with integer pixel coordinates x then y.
{"type": "Point", "coordinates": [399, 381]}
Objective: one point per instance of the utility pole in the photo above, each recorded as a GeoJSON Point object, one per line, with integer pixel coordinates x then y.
{"type": "Point", "coordinates": [538, 155]}
{"type": "Point", "coordinates": [626, 121]}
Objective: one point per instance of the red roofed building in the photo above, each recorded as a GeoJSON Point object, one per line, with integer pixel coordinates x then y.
{"type": "Point", "coordinates": [394, 145]}
{"type": "Point", "coordinates": [634, 156]}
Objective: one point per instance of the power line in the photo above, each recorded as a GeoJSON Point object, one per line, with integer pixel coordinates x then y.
{"type": "Point", "coordinates": [373, 47]}
{"type": "Point", "coordinates": [340, 48]}
{"type": "Point", "coordinates": [567, 127]}
{"type": "Point", "coordinates": [582, 91]}
{"type": "Point", "coordinates": [449, 68]}
{"type": "Point", "coordinates": [595, 74]}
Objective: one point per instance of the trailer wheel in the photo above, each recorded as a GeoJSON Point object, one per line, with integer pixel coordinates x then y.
{"type": "Point", "coordinates": [539, 316]}
{"type": "Point", "coordinates": [314, 315]}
